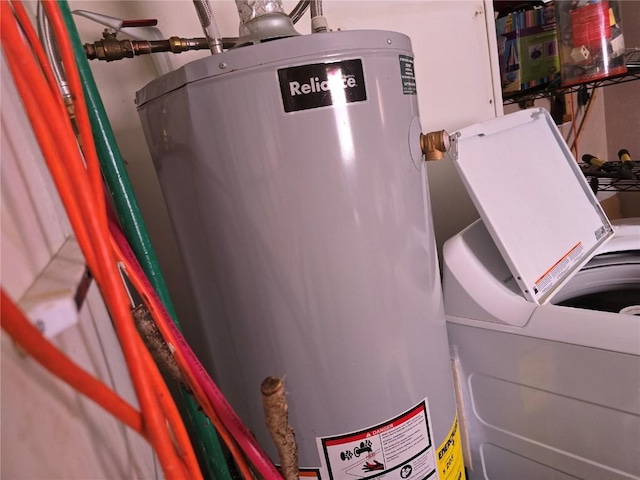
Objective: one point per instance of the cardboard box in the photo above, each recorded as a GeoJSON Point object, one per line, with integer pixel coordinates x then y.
{"type": "Point", "coordinates": [528, 48]}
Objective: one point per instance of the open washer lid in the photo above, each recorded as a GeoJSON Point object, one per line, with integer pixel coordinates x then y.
{"type": "Point", "coordinates": [533, 198]}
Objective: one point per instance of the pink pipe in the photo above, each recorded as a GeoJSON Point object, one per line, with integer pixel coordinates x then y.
{"type": "Point", "coordinates": [225, 411]}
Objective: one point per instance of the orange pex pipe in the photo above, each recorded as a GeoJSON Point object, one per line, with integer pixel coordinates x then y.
{"type": "Point", "coordinates": [81, 190]}
{"type": "Point", "coordinates": [31, 341]}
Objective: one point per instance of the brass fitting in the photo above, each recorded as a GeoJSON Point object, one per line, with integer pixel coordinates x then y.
{"type": "Point", "coordinates": [434, 145]}
{"type": "Point", "coordinates": [109, 48]}
{"type": "Point", "coordinates": [179, 45]}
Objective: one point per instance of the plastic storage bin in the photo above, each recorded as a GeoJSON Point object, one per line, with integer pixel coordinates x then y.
{"type": "Point", "coordinates": [591, 41]}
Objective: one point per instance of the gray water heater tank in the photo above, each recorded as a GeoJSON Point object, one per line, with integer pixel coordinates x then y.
{"type": "Point", "coordinates": [295, 184]}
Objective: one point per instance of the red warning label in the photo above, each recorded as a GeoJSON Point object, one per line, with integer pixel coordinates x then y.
{"type": "Point", "coordinates": [590, 24]}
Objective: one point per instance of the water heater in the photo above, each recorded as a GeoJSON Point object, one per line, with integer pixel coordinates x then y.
{"type": "Point", "coordinates": [295, 183]}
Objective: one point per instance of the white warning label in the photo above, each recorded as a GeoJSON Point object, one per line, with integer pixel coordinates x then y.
{"type": "Point", "coordinates": [400, 448]}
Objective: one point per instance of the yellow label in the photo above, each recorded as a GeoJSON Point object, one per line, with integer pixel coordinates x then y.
{"type": "Point", "coordinates": [449, 456]}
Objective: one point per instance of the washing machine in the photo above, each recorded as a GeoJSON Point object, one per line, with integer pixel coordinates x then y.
{"type": "Point", "coordinates": [545, 346]}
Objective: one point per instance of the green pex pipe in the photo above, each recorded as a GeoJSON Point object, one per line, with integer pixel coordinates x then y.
{"type": "Point", "coordinates": [134, 228]}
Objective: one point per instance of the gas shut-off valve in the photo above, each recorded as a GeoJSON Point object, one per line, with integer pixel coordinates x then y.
{"type": "Point", "coordinates": [435, 144]}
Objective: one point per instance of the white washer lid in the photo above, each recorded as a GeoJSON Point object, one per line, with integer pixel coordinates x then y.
{"type": "Point", "coordinates": [533, 198]}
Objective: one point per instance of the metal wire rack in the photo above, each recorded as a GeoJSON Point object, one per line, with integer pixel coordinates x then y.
{"type": "Point", "coordinates": [613, 176]}
{"type": "Point", "coordinates": [632, 60]}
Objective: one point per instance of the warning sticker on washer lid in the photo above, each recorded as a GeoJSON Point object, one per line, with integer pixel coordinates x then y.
{"type": "Point", "coordinates": [400, 448]}
{"type": "Point", "coordinates": [556, 272]}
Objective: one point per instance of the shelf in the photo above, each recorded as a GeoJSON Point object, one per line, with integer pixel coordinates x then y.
{"type": "Point", "coordinates": [613, 176]}
{"type": "Point", "coordinates": [554, 88]}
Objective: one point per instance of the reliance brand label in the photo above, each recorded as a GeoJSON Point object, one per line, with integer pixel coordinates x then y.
{"type": "Point", "coordinates": [321, 85]}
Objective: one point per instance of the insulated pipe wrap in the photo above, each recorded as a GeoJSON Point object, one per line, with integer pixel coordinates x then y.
{"type": "Point", "coordinates": [250, 9]}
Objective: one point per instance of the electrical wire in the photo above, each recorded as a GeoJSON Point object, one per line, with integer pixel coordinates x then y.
{"type": "Point", "coordinates": [572, 140]}
{"type": "Point", "coordinates": [574, 145]}
{"type": "Point", "coordinates": [29, 338]}
{"type": "Point", "coordinates": [585, 116]}
{"type": "Point", "coordinates": [81, 191]}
